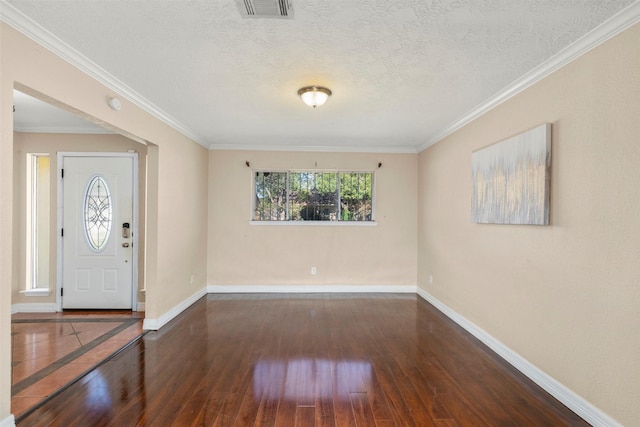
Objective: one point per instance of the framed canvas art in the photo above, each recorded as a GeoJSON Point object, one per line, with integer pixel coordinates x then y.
{"type": "Point", "coordinates": [511, 179]}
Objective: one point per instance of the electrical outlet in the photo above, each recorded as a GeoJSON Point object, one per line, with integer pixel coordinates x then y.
{"type": "Point", "coordinates": [313, 270]}
{"type": "Point", "coordinates": [431, 279]}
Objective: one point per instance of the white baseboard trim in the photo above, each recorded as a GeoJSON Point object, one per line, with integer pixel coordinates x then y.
{"type": "Point", "coordinates": [303, 289]}
{"type": "Point", "coordinates": [155, 324]}
{"type": "Point", "coordinates": [39, 307]}
{"type": "Point", "coordinates": [35, 307]}
{"type": "Point", "coordinates": [8, 422]}
{"type": "Point", "coordinates": [570, 399]}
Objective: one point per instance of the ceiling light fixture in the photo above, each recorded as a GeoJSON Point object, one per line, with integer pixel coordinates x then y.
{"type": "Point", "coordinates": [314, 96]}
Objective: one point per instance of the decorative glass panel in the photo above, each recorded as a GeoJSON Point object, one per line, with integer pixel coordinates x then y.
{"type": "Point", "coordinates": [98, 212]}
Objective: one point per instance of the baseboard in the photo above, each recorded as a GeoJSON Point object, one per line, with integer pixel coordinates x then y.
{"type": "Point", "coordinates": [302, 289]}
{"type": "Point", "coordinates": [155, 324]}
{"type": "Point", "coordinates": [35, 307]}
{"type": "Point", "coordinates": [570, 399]}
{"type": "Point", "coordinates": [8, 422]}
{"type": "Point", "coordinates": [45, 308]}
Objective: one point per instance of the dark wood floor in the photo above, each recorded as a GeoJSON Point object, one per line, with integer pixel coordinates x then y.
{"type": "Point", "coordinates": [305, 360]}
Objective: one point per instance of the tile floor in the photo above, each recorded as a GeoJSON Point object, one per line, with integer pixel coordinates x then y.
{"type": "Point", "coordinates": [51, 350]}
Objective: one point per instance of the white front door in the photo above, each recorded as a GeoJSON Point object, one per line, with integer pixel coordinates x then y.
{"type": "Point", "coordinates": [97, 239]}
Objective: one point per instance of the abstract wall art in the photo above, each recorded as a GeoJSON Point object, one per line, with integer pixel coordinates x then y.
{"type": "Point", "coordinates": [511, 179]}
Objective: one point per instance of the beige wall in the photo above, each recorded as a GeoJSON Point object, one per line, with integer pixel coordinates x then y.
{"type": "Point", "coordinates": [176, 191]}
{"type": "Point", "coordinates": [565, 297]}
{"type": "Point", "coordinates": [244, 254]}
{"type": "Point", "coordinates": [24, 143]}
{"type": "Point", "coordinates": [181, 224]}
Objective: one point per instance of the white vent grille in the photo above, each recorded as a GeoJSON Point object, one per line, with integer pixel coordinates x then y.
{"type": "Point", "coordinates": [265, 8]}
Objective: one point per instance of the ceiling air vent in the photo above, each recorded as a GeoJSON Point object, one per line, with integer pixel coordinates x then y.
{"type": "Point", "coordinates": [265, 8]}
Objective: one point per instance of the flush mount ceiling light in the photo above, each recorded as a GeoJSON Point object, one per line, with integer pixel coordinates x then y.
{"type": "Point", "coordinates": [314, 96]}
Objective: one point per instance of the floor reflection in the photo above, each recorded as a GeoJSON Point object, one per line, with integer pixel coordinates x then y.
{"type": "Point", "coordinates": [309, 379]}
{"type": "Point", "coordinates": [98, 394]}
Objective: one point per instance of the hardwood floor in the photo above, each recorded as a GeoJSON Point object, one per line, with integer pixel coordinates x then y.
{"type": "Point", "coordinates": [305, 360]}
{"type": "Point", "coordinates": [50, 350]}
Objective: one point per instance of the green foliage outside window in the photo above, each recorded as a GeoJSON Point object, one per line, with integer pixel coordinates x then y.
{"type": "Point", "coordinates": [355, 196]}
{"type": "Point", "coordinates": [271, 196]}
{"type": "Point", "coordinates": [313, 196]}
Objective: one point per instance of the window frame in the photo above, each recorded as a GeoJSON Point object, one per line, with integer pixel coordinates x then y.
{"type": "Point", "coordinates": [290, 222]}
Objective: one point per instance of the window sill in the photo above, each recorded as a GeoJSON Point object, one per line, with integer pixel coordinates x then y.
{"type": "Point", "coordinates": [317, 223]}
{"type": "Point", "coordinates": [38, 292]}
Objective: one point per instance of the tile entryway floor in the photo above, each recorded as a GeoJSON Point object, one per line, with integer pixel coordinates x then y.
{"type": "Point", "coordinates": [52, 350]}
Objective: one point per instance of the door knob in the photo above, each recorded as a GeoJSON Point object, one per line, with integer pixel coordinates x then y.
{"type": "Point", "coordinates": [125, 245]}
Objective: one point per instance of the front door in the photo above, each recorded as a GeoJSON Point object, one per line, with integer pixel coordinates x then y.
{"type": "Point", "coordinates": [97, 253]}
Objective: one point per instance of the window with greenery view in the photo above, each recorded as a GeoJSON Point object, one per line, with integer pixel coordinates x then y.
{"type": "Point", "coordinates": [313, 196]}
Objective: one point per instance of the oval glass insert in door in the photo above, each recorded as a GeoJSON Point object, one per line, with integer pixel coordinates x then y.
{"type": "Point", "coordinates": [98, 213]}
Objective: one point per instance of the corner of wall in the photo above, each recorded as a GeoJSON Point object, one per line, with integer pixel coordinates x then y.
{"type": "Point", "coordinates": [570, 399]}
{"type": "Point", "coordinates": [153, 324]}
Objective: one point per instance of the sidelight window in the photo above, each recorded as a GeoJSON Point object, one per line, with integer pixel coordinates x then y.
{"type": "Point", "coordinates": [38, 223]}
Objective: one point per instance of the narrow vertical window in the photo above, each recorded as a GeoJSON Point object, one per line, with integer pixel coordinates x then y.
{"type": "Point", "coordinates": [38, 226]}
{"type": "Point", "coordinates": [98, 212]}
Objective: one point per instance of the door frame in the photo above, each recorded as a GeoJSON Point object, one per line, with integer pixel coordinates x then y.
{"type": "Point", "coordinates": [60, 214]}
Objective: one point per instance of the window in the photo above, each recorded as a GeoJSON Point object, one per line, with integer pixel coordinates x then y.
{"type": "Point", "coordinates": [313, 196]}
{"type": "Point", "coordinates": [38, 227]}
{"type": "Point", "coordinates": [271, 196]}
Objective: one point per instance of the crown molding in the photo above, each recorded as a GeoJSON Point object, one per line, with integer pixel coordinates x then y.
{"type": "Point", "coordinates": [618, 23]}
{"type": "Point", "coordinates": [316, 149]}
{"type": "Point", "coordinates": [25, 25]}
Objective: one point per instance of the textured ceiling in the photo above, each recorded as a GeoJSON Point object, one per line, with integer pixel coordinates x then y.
{"type": "Point", "coordinates": [401, 71]}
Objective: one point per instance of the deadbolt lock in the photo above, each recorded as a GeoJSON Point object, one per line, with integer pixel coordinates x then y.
{"type": "Point", "coordinates": [126, 230]}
